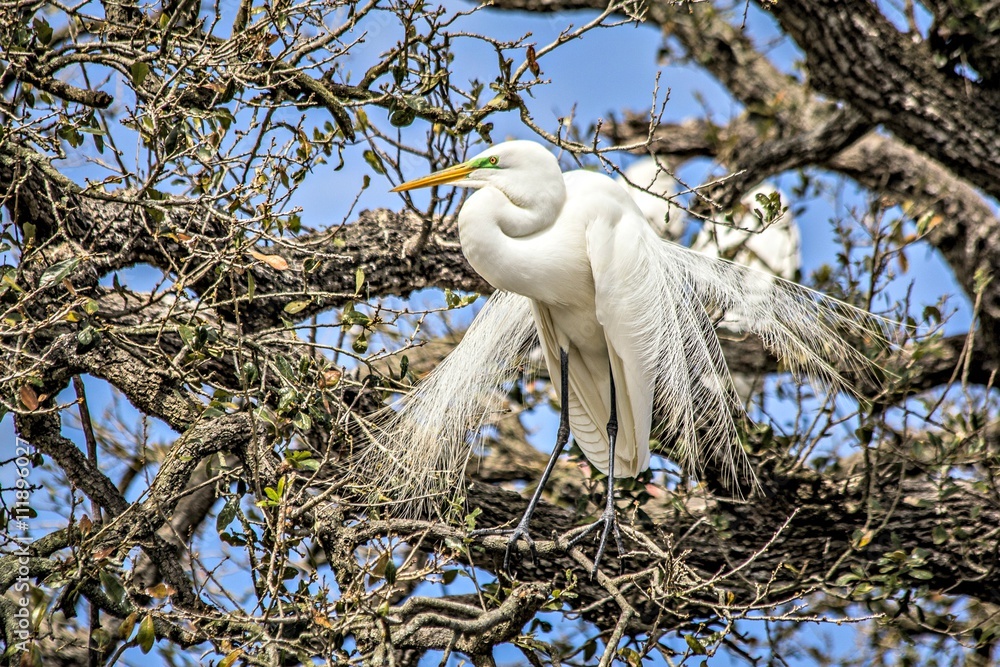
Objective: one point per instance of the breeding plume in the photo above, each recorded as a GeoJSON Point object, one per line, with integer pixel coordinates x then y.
{"type": "Point", "coordinates": [625, 321]}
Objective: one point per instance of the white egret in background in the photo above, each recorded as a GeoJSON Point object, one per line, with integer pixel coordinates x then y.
{"type": "Point", "coordinates": [650, 185]}
{"type": "Point", "coordinates": [625, 321]}
{"type": "Point", "coordinates": [772, 248]}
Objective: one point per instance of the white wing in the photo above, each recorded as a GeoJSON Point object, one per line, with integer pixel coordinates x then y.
{"type": "Point", "coordinates": [774, 250]}
{"type": "Point", "coordinates": [589, 398]}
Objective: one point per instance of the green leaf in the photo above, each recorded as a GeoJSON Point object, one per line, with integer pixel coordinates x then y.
{"type": "Point", "coordinates": [362, 119]}
{"type": "Point", "coordinates": [303, 421]}
{"type": "Point", "coordinates": [940, 535]}
{"type": "Point", "coordinates": [234, 540]}
{"type": "Point", "coordinates": [457, 301]}
{"type": "Point", "coordinates": [288, 401]}
{"type": "Point", "coordinates": [372, 158]}
{"type": "Point", "coordinates": [112, 586]}
{"type": "Point", "coordinates": [921, 574]}
{"type": "Point", "coordinates": [297, 306]}
{"type": "Point", "coordinates": [250, 372]}
{"type": "Point", "coordinates": [359, 280]}
{"type": "Point", "coordinates": [285, 368]}
{"type": "Point", "coordinates": [352, 317]}
{"type": "Point", "coordinates": [43, 30]}
{"type": "Point", "coordinates": [403, 117]}
{"type": "Point", "coordinates": [360, 344]}
{"type": "Point", "coordinates": [864, 539]}
{"type": "Point", "coordinates": [189, 335]}
{"type": "Point", "coordinates": [846, 579]}
{"type": "Point", "coordinates": [55, 273]}
{"type": "Point", "coordinates": [90, 307]}
{"type": "Point", "coordinates": [634, 658]}
{"type": "Point", "coordinates": [87, 340]}
{"type": "Point", "coordinates": [8, 280]}
{"type": "Point", "coordinates": [127, 626]}
{"type": "Point", "coordinates": [696, 646]}
{"type": "Point", "coordinates": [226, 514]}
{"type": "Point", "coordinates": [146, 635]}
{"type": "Point", "coordinates": [231, 658]}
{"type": "Point", "coordinates": [924, 223]}
{"type": "Point", "coordinates": [139, 72]}
{"type": "Point", "coordinates": [251, 286]}
{"type": "Point", "coordinates": [390, 572]}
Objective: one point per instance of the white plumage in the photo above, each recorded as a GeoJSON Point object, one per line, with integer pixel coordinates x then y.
{"type": "Point", "coordinates": [576, 252]}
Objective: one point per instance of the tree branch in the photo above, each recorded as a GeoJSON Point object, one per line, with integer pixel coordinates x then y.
{"type": "Point", "coordinates": [855, 54]}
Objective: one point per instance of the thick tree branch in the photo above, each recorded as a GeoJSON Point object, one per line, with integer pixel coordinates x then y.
{"type": "Point", "coordinates": [815, 548]}
{"type": "Point", "coordinates": [855, 54]}
{"type": "Point", "coordinates": [114, 235]}
{"type": "Point", "coordinates": [98, 99]}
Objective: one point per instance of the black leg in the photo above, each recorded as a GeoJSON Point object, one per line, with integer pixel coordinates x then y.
{"type": "Point", "coordinates": [609, 517]}
{"type": "Point", "coordinates": [562, 437]}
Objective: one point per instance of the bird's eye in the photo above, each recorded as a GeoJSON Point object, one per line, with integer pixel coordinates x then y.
{"type": "Point", "coordinates": [494, 160]}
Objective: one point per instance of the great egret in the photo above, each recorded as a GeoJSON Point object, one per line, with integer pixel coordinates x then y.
{"type": "Point", "coordinates": [650, 185]}
{"type": "Point", "coordinates": [773, 248]}
{"type": "Point", "coordinates": [624, 321]}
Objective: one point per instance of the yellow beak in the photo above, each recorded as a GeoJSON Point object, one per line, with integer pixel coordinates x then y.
{"type": "Point", "coordinates": [449, 175]}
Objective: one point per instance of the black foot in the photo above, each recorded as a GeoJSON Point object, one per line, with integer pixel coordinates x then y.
{"type": "Point", "coordinates": [609, 521]}
{"type": "Point", "coordinates": [513, 535]}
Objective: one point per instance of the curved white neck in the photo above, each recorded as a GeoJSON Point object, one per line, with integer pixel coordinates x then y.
{"type": "Point", "coordinates": [497, 234]}
{"type": "Point", "coordinates": [516, 214]}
